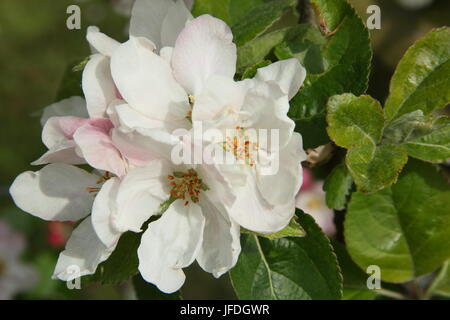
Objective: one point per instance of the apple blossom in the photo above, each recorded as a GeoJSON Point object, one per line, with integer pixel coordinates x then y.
{"type": "Point", "coordinates": [194, 226]}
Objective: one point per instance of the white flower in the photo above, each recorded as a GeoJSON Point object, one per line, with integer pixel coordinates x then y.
{"type": "Point", "coordinates": [15, 277]}
{"type": "Point", "coordinates": [312, 201]}
{"type": "Point", "coordinates": [195, 226]}
{"type": "Point", "coordinates": [61, 192]}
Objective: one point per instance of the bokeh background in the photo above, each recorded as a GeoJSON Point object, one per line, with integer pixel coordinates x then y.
{"type": "Point", "coordinates": [35, 49]}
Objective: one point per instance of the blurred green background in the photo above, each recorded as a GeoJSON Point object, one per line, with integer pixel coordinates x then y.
{"type": "Point", "coordinates": [35, 49]}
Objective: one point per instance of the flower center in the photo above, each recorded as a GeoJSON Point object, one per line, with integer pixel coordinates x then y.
{"type": "Point", "coordinates": [314, 203]}
{"type": "Point", "coordinates": [242, 147]}
{"type": "Point", "coordinates": [186, 185]}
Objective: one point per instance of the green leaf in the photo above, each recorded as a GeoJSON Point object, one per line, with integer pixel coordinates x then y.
{"type": "Point", "coordinates": [434, 146]}
{"type": "Point", "coordinates": [229, 11]}
{"type": "Point", "coordinates": [421, 80]}
{"type": "Point", "coordinates": [355, 279]}
{"type": "Point", "coordinates": [218, 9]}
{"type": "Point", "coordinates": [355, 294]}
{"type": "Point", "coordinates": [251, 72]}
{"type": "Point", "coordinates": [293, 229]}
{"type": "Point", "coordinates": [404, 229]}
{"type": "Point", "coordinates": [330, 14]}
{"type": "Point", "coordinates": [288, 268]}
{"type": "Point", "coordinates": [307, 44]}
{"type": "Point", "coordinates": [147, 291]}
{"type": "Point", "coordinates": [123, 262]}
{"type": "Point", "coordinates": [354, 121]}
{"type": "Point", "coordinates": [255, 51]}
{"type": "Point", "coordinates": [375, 167]}
{"type": "Point", "coordinates": [259, 20]}
{"type": "Point", "coordinates": [337, 62]}
{"type": "Point", "coordinates": [441, 283]}
{"type": "Point", "coordinates": [357, 123]}
{"type": "Point", "coordinates": [407, 127]}
{"type": "Point", "coordinates": [337, 187]}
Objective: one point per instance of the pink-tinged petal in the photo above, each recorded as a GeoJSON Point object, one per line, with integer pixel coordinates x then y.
{"type": "Point", "coordinates": [287, 74]}
{"type": "Point", "coordinates": [57, 192]}
{"type": "Point", "coordinates": [97, 148]}
{"type": "Point", "coordinates": [73, 106]}
{"type": "Point", "coordinates": [307, 179]}
{"type": "Point", "coordinates": [100, 42]}
{"type": "Point", "coordinates": [98, 86]}
{"type": "Point", "coordinates": [146, 83]}
{"type": "Point", "coordinates": [204, 48]}
{"type": "Point", "coordinates": [58, 130]}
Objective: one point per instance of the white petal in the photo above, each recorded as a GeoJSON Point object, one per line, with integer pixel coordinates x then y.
{"type": "Point", "coordinates": [147, 17]}
{"type": "Point", "coordinates": [174, 22]}
{"type": "Point", "coordinates": [140, 195]}
{"type": "Point", "coordinates": [56, 192]}
{"type": "Point", "coordinates": [101, 42]}
{"type": "Point", "coordinates": [84, 252]}
{"type": "Point", "coordinates": [282, 186]}
{"type": "Point", "coordinates": [63, 152]}
{"type": "Point", "coordinates": [220, 97]}
{"type": "Point", "coordinates": [131, 119]}
{"type": "Point", "coordinates": [74, 106]}
{"type": "Point", "coordinates": [145, 81]}
{"type": "Point", "coordinates": [220, 188]}
{"type": "Point", "coordinates": [253, 212]}
{"type": "Point", "coordinates": [103, 210]}
{"type": "Point", "coordinates": [166, 54]}
{"type": "Point", "coordinates": [267, 109]}
{"type": "Point", "coordinates": [288, 74]}
{"type": "Point", "coordinates": [189, 4]}
{"type": "Point", "coordinates": [204, 48]}
{"type": "Point", "coordinates": [221, 240]}
{"type": "Point", "coordinates": [170, 243]}
{"type": "Point", "coordinates": [98, 86]}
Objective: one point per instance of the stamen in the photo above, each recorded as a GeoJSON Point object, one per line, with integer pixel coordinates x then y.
{"type": "Point", "coordinates": [186, 184]}
{"type": "Point", "coordinates": [242, 147]}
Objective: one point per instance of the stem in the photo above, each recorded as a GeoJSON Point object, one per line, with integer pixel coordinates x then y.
{"type": "Point", "coordinates": [391, 294]}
